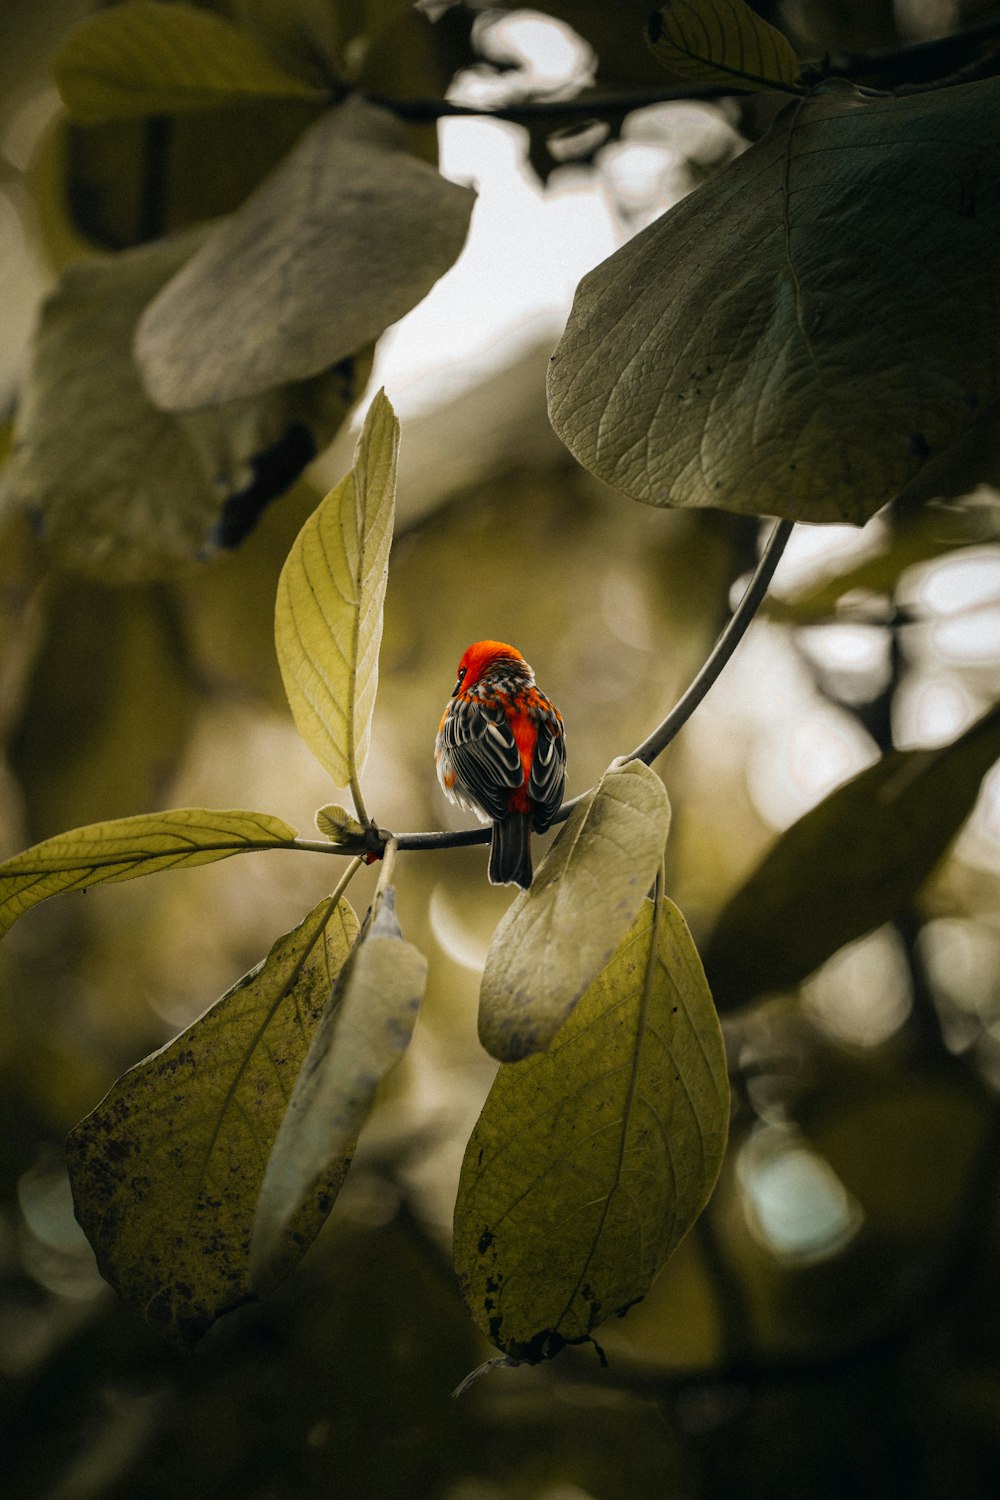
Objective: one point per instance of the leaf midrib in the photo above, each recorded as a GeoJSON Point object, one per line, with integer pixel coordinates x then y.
{"type": "Point", "coordinates": [630, 1099]}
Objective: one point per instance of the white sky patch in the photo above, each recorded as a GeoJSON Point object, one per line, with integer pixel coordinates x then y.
{"type": "Point", "coordinates": [551, 58]}
{"type": "Point", "coordinates": [513, 283]}
{"type": "Point", "coordinates": [960, 595]}
{"type": "Point", "coordinates": [956, 584]}
{"type": "Point", "coordinates": [795, 1203]}
{"type": "Point", "coordinates": [854, 658]}
{"type": "Point", "coordinates": [979, 842]}
{"type": "Point", "coordinates": [637, 170]}
{"type": "Point", "coordinates": [817, 552]}
{"type": "Point", "coordinates": [963, 956]}
{"type": "Point", "coordinates": [854, 648]}
{"type": "Point", "coordinates": [797, 765]}
{"type": "Point", "coordinates": [862, 995]}
{"type": "Point", "coordinates": [930, 709]}
{"type": "Point", "coordinates": [624, 610]}
{"type": "Point", "coordinates": [824, 751]}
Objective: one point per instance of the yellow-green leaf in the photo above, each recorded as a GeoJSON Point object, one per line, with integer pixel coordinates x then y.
{"type": "Point", "coordinates": [337, 824]}
{"type": "Point", "coordinates": [148, 58]}
{"type": "Point", "coordinates": [591, 1162]}
{"type": "Point", "coordinates": [328, 613]}
{"type": "Point", "coordinates": [129, 847]}
{"type": "Point", "coordinates": [307, 37]}
{"type": "Point", "coordinates": [560, 933]}
{"type": "Point", "coordinates": [721, 41]}
{"type": "Point", "coordinates": [166, 1170]}
{"type": "Point", "coordinates": [775, 345]}
{"type": "Point", "coordinates": [365, 1029]}
{"type": "Point", "coordinates": [345, 235]}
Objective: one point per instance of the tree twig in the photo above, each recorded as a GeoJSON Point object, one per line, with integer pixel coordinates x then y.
{"type": "Point", "coordinates": [723, 649]}
{"type": "Point", "coordinates": [888, 64]}
{"type": "Point", "coordinates": [359, 801]}
{"type": "Point", "coordinates": [426, 111]}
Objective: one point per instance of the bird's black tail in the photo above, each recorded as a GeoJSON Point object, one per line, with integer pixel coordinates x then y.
{"type": "Point", "coordinates": [510, 850]}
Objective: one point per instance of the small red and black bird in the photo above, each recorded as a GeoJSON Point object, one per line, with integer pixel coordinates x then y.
{"type": "Point", "coordinates": [501, 753]}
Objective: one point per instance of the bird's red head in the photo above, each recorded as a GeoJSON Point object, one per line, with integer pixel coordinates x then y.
{"type": "Point", "coordinates": [482, 656]}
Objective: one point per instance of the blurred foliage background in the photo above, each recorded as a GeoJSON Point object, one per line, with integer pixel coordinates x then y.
{"type": "Point", "coordinates": [832, 1326]}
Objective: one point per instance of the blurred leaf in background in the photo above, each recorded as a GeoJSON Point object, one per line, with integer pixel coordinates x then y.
{"type": "Point", "coordinates": [119, 488]}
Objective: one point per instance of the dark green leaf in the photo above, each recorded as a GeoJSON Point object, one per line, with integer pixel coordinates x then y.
{"type": "Point", "coordinates": [148, 58]}
{"type": "Point", "coordinates": [848, 866]}
{"type": "Point", "coordinates": [344, 237]}
{"type": "Point", "coordinates": [166, 1170]}
{"type": "Point", "coordinates": [412, 57]}
{"type": "Point", "coordinates": [135, 180]}
{"type": "Point", "coordinates": [124, 491]}
{"type": "Point", "coordinates": [721, 41]}
{"type": "Point", "coordinates": [591, 1162]}
{"type": "Point", "coordinates": [783, 341]}
{"type": "Point", "coordinates": [306, 37]}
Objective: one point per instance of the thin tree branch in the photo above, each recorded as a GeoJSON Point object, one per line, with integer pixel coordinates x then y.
{"type": "Point", "coordinates": [890, 65]}
{"type": "Point", "coordinates": [939, 56]}
{"type": "Point", "coordinates": [359, 801]}
{"type": "Point", "coordinates": [723, 649]}
{"type": "Point", "coordinates": [385, 873]}
{"type": "Point", "coordinates": [426, 111]}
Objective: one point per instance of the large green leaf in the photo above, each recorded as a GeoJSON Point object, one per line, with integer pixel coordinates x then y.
{"type": "Point", "coordinates": [148, 58]}
{"type": "Point", "coordinates": [129, 847]}
{"type": "Point", "coordinates": [119, 489]}
{"type": "Point", "coordinates": [344, 237]}
{"type": "Point", "coordinates": [591, 1162]}
{"type": "Point", "coordinates": [113, 186]}
{"type": "Point", "coordinates": [166, 1170]}
{"type": "Point", "coordinates": [721, 41]}
{"type": "Point", "coordinates": [848, 866]}
{"type": "Point", "coordinates": [783, 341]}
{"type": "Point", "coordinates": [560, 933]}
{"type": "Point", "coordinates": [365, 1029]}
{"type": "Point", "coordinates": [328, 612]}
{"type": "Point", "coordinates": [306, 37]}
{"type": "Point", "coordinates": [89, 745]}
{"type": "Point", "coordinates": [409, 56]}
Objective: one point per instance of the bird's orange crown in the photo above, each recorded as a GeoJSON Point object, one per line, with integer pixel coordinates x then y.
{"type": "Point", "coordinates": [482, 655]}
